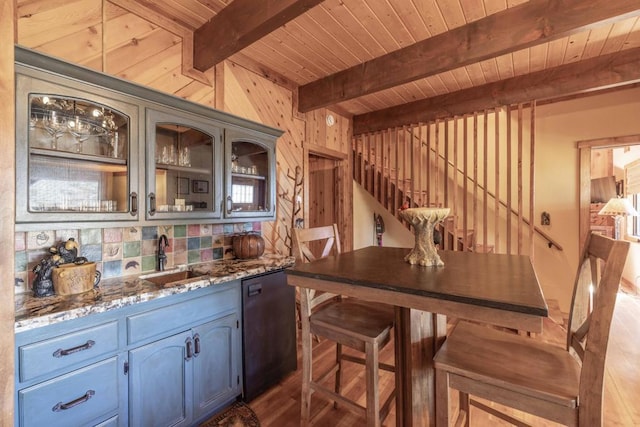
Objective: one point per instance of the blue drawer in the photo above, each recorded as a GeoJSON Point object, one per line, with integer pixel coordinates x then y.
{"type": "Point", "coordinates": [60, 352]}
{"type": "Point", "coordinates": [75, 399]}
{"type": "Point", "coordinates": [185, 314]}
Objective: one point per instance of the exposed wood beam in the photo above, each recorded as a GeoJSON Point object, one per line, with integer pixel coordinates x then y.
{"type": "Point", "coordinates": [241, 23]}
{"type": "Point", "coordinates": [526, 25]}
{"type": "Point", "coordinates": [591, 74]}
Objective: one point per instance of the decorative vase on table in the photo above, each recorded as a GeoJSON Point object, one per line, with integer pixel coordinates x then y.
{"type": "Point", "coordinates": [423, 221]}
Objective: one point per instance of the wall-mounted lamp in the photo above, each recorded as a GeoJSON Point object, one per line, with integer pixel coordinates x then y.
{"type": "Point", "coordinates": [617, 208]}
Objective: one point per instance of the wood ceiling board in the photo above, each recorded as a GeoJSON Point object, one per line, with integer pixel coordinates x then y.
{"type": "Point", "coordinates": [139, 49]}
{"type": "Point", "coordinates": [618, 36]}
{"type": "Point", "coordinates": [473, 9]}
{"type": "Point", "coordinates": [528, 24]}
{"type": "Point", "coordinates": [634, 37]}
{"type": "Point", "coordinates": [192, 12]}
{"type": "Point", "coordinates": [576, 46]}
{"type": "Point", "coordinates": [275, 59]}
{"type": "Point", "coordinates": [431, 16]}
{"type": "Point", "coordinates": [62, 20]}
{"type": "Point", "coordinates": [538, 57]}
{"type": "Point", "coordinates": [142, 9]}
{"type": "Point", "coordinates": [395, 28]}
{"type": "Point", "coordinates": [239, 25]}
{"type": "Point", "coordinates": [125, 28]}
{"type": "Point", "coordinates": [361, 40]}
{"type": "Point", "coordinates": [451, 13]}
{"type": "Point", "coordinates": [171, 82]}
{"type": "Point", "coordinates": [591, 74]}
{"type": "Point", "coordinates": [411, 18]}
{"type": "Point", "coordinates": [521, 62]}
{"type": "Point", "coordinates": [556, 52]}
{"type": "Point", "coordinates": [215, 5]}
{"type": "Point", "coordinates": [146, 71]}
{"type": "Point", "coordinates": [597, 38]}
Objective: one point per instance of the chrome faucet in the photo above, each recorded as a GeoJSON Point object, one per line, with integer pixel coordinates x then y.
{"type": "Point", "coordinates": [163, 242]}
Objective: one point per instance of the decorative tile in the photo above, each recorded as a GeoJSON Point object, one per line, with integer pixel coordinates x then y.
{"type": "Point", "coordinates": [132, 234]}
{"type": "Point", "coordinates": [112, 235]}
{"type": "Point", "coordinates": [21, 283]}
{"type": "Point", "coordinates": [257, 226]}
{"type": "Point", "coordinates": [205, 229]}
{"type": "Point", "coordinates": [193, 230]}
{"type": "Point", "coordinates": [180, 257]}
{"type": "Point", "coordinates": [179, 245]}
{"type": "Point", "coordinates": [91, 252]}
{"type": "Point", "coordinates": [20, 242]}
{"type": "Point", "coordinates": [228, 240]}
{"type": "Point", "coordinates": [92, 236]}
{"type": "Point", "coordinates": [64, 235]}
{"type": "Point", "coordinates": [21, 262]}
{"type": "Point", "coordinates": [247, 226]}
{"type": "Point", "coordinates": [179, 231]}
{"type": "Point", "coordinates": [217, 240]}
{"type": "Point", "coordinates": [132, 266]}
{"type": "Point", "coordinates": [217, 229]}
{"type": "Point", "coordinates": [111, 269]}
{"type": "Point", "coordinates": [238, 228]}
{"type": "Point", "coordinates": [206, 255]}
{"type": "Point", "coordinates": [149, 247]}
{"type": "Point", "coordinates": [193, 243]}
{"type": "Point", "coordinates": [40, 239]}
{"type": "Point", "coordinates": [217, 253]}
{"type": "Point", "coordinates": [131, 249]}
{"type": "Point", "coordinates": [193, 257]}
{"type": "Point", "coordinates": [149, 263]}
{"type": "Point", "coordinates": [205, 242]}
{"type": "Point", "coordinates": [228, 228]}
{"type": "Point", "coordinates": [149, 233]}
{"type": "Point", "coordinates": [167, 230]}
{"type": "Point", "coordinates": [112, 251]}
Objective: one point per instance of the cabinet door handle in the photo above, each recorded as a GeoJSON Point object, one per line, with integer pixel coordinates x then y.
{"type": "Point", "coordinates": [196, 345]}
{"type": "Point", "coordinates": [65, 352]}
{"type": "Point", "coordinates": [189, 343]}
{"type": "Point", "coordinates": [134, 203]}
{"type": "Point", "coordinates": [152, 203]}
{"type": "Point", "coordinates": [64, 406]}
{"type": "Point", "coordinates": [229, 204]}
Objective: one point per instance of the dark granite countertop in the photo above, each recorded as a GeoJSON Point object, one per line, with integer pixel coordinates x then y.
{"type": "Point", "coordinates": [32, 312]}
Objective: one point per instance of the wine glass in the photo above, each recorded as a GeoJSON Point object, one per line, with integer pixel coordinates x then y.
{"type": "Point", "coordinates": [55, 126]}
{"type": "Point", "coordinates": [80, 130]}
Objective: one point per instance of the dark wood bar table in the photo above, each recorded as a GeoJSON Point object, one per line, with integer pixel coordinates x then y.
{"type": "Point", "coordinates": [497, 289]}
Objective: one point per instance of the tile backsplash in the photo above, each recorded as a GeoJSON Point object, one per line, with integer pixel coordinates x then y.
{"type": "Point", "coordinates": [129, 250]}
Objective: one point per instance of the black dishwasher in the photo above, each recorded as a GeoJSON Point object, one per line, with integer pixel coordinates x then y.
{"type": "Point", "coordinates": [269, 332]}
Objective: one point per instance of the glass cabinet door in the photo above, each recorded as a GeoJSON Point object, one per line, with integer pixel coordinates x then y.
{"type": "Point", "coordinates": [250, 175]}
{"type": "Point", "coordinates": [184, 154]}
{"type": "Point", "coordinates": [75, 159]}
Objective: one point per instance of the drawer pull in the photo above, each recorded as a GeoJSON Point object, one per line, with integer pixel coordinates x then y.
{"type": "Point", "coordinates": [196, 341]}
{"type": "Point", "coordinates": [64, 406]}
{"type": "Point", "coordinates": [86, 346]}
{"type": "Point", "coordinates": [189, 344]}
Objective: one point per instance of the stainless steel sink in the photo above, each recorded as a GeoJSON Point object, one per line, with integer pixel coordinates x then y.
{"type": "Point", "coordinates": [171, 277]}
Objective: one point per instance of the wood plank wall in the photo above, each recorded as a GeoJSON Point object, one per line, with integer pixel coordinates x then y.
{"type": "Point", "coordinates": [117, 38]}
{"type": "Point", "coordinates": [480, 165]}
{"type": "Point", "coordinates": [7, 214]}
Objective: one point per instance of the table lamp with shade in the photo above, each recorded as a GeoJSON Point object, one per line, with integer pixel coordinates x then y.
{"type": "Point", "coordinates": [618, 207]}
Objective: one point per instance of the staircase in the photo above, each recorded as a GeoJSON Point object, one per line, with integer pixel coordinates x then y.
{"type": "Point", "coordinates": [479, 165]}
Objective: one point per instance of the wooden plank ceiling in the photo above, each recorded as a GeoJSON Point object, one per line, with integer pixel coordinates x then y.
{"type": "Point", "coordinates": [393, 62]}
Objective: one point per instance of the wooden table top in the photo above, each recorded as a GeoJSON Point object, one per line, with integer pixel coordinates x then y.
{"type": "Point", "coordinates": [505, 282]}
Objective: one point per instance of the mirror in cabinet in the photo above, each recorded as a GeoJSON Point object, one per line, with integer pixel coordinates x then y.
{"type": "Point", "coordinates": [185, 153]}
{"type": "Point", "coordinates": [251, 174]}
{"type": "Point", "coordinates": [73, 154]}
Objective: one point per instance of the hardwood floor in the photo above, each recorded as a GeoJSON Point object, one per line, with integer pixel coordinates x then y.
{"type": "Point", "coordinates": [280, 406]}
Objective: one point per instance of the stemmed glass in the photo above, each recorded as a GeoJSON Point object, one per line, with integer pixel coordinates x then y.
{"type": "Point", "coordinates": [55, 126]}
{"type": "Point", "coordinates": [80, 130]}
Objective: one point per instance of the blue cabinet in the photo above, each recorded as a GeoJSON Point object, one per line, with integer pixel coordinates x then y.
{"type": "Point", "coordinates": [170, 361]}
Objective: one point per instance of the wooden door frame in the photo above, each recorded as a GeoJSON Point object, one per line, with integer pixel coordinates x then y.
{"type": "Point", "coordinates": [343, 196]}
{"type": "Point", "coordinates": [585, 147]}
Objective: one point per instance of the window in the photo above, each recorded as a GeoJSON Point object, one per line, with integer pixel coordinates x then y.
{"type": "Point", "coordinates": [242, 193]}
{"type": "Point", "coordinates": [632, 181]}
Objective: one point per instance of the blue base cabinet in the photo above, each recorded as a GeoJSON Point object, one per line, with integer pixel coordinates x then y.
{"type": "Point", "coordinates": [172, 361]}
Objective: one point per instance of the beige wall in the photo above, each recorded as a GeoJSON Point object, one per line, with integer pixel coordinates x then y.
{"type": "Point", "coordinates": [558, 127]}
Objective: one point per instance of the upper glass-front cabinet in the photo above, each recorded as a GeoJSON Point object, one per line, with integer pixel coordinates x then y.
{"type": "Point", "coordinates": [184, 157]}
{"type": "Point", "coordinates": [73, 152]}
{"type": "Point", "coordinates": [250, 184]}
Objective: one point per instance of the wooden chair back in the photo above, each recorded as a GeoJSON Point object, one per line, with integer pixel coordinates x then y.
{"type": "Point", "coordinates": [593, 302]}
{"type": "Point", "coordinates": [307, 242]}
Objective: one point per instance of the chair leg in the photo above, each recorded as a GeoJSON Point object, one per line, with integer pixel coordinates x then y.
{"type": "Point", "coordinates": [372, 377]}
{"type": "Point", "coordinates": [305, 407]}
{"type": "Point", "coordinates": [442, 398]}
{"type": "Point", "coordinates": [338, 381]}
{"type": "Point", "coordinates": [463, 399]}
